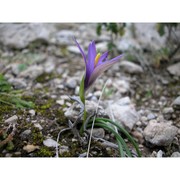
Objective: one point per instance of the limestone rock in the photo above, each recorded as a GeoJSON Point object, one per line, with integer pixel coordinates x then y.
{"type": "Point", "coordinates": [20, 35]}
{"type": "Point", "coordinates": [176, 103]}
{"type": "Point", "coordinates": [174, 69]}
{"type": "Point", "coordinates": [50, 143]}
{"type": "Point", "coordinates": [124, 112]}
{"type": "Point", "coordinates": [30, 148]}
{"type": "Point", "coordinates": [73, 111]}
{"type": "Point", "coordinates": [160, 134]}
{"type": "Point", "coordinates": [131, 67]}
{"type": "Point", "coordinates": [12, 119]}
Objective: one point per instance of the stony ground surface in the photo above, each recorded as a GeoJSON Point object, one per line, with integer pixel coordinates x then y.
{"type": "Point", "coordinates": [42, 61]}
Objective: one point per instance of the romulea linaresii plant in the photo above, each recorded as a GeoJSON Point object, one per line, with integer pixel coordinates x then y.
{"type": "Point", "coordinates": [95, 65]}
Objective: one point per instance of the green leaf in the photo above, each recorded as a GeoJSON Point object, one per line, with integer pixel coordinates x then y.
{"type": "Point", "coordinates": [22, 103]}
{"type": "Point", "coordinates": [7, 95]}
{"type": "Point", "coordinates": [4, 85]}
{"type": "Point", "coordinates": [113, 28]}
{"type": "Point", "coordinates": [98, 29]}
{"type": "Point", "coordinates": [123, 131]}
{"type": "Point", "coordinates": [120, 140]}
{"type": "Point", "coordinates": [160, 29]}
{"type": "Point", "coordinates": [81, 91]}
{"type": "Point", "coordinates": [121, 31]}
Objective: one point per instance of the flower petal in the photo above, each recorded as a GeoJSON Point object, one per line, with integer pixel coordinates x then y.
{"type": "Point", "coordinates": [87, 72]}
{"type": "Point", "coordinates": [82, 52]}
{"type": "Point", "coordinates": [103, 57]}
{"type": "Point", "coordinates": [101, 68]}
{"type": "Point", "coordinates": [91, 56]}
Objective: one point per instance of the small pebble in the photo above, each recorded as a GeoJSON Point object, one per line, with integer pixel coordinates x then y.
{"type": "Point", "coordinates": [25, 134]}
{"type": "Point", "coordinates": [60, 86]}
{"type": "Point", "coordinates": [176, 103]}
{"type": "Point", "coordinates": [77, 90]}
{"type": "Point", "coordinates": [160, 154]}
{"type": "Point", "coordinates": [30, 148]}
{"type": "Point", "coordinates": [74, 140]}
{"type": "Point", "coordinates": [68, 104]}
{"type": "Point", "coordinates": [8, 155]}
{"type": "Point", "coordinates": [63, 149]}
{"type": "Point", "coordinates": [71, 83]}
{"type": "Point", "coordinates": [60, 102]}
{"type": "Point", "coordinates": [50, 143]}
{"type": "Point", "coordinates": [138, 135]}
{"type": "Point", "coordinates": [83, 154]}
{"type": "Point", "coordinates": [139, 123]}
{"type": "Point", "coordinates": [144, 118]}
{"type": "Point", "coordinates": [65, 97]}
{"type": "Point", "coordinates": [179, 131]}
{"type": "Point", "coordinates": [97, 93]}
{"type": "Point", "coordinates": [160, 118]}
{"type": "Point", "coordinates": [175, 154]}
{"type": "Point", "coordinates": [98, 132]}
{"type": "Point", "coordinates": [12, 119]}
{"type": "Point", "coordinates": [17, 153]}
{"type": "Point", "coordinates": [168, 110]}
{"type": "Point", "coordinates": [151, 116]}
{"type": "Point", "coordinates": [37, 125]}
{"type": "Point", "coordinates": [32, 112]}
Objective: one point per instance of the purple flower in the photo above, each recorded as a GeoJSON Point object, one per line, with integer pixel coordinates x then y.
{"type": "Point", "coordinates": [95, 63]}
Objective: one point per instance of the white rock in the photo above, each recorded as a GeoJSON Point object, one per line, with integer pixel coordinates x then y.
{"type": "Point", "coordinates": [73, 111]}
{"type": "Point", "coordinates": [124, 112]}
{"type": "Point", "coordinates": [144, 118]}
{"type": "Point", "coordinates": [151, 116]}
{"type": "Point", "coordinates": [73, 49]}
{"type": "Point", "coordinates": [20, 35]}
{"type": "Point", "coordinates": [32, 112]}
{"type": "Point", "coordinates": [60, 102]}
{"type": "Point", "coordinates": [32, 72]}
{"type": "Point", "coordinates": [49, 66]}
{"type": "Point", "coordinates": [130, 67]}
{"type": "Point", "coordinates": [76, 90]}
{"type": "Point", "coordinates": [102, 46]}
{"type": "Point", "coordinates": [175, 154]}
{"type": "Point", "coordinates": [64, 37]}
{"type": "Point", "coordinates": [122, 86]}
{"type": "Point", "coordinates": [160, 134]}
{"type": "Point", "coordinates": [18, 83]}
{"type": "Point", "coordinates": [15, 68]}
{"type": "Point", "coordinates": [37, 125]}
{"type": "Point", "coordinates": [71, 83]}
{"type": "Point", "coordinates": [168, 110]}
{"type": "Point", "coordinates": [125, 44]}
{"type": "Point", "coordinates": [12, 119]}
{"type": "Point", "coordinates": [97, 93]}
{"type": "Point", "coordinates": [148, 37]}
{"type": "Point", "coordinates": [98, 132]}
{"type": "Point", "coordinates": [174, 69]}
{"type": "Point", "coordinates": [25, 134]}
{"type": "Point", "coordinates": [68, 104]}
{"type": "Point", "coordinates": [160, 154]}
{"type": "Point", "coordinates": [63, 149]}
{"type": "Point", "coordinates": [50, 143]}
{"type": "Point", "coordinates": [65, 97]}
{"type": "Point", "coordinates": [176, 103]}
{"type": "Point", "coordinates": [124, 101]}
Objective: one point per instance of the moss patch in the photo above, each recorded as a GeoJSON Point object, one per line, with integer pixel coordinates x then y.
{"type": "Point", "coordinates": [43, 78]}
{"type": "Point", "coordinates": [45, 152]}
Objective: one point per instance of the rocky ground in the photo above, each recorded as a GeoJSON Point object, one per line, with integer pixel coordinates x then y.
{"type": "Point", "coordinates": [43, 63]}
